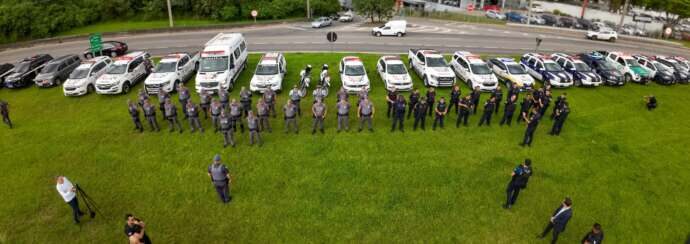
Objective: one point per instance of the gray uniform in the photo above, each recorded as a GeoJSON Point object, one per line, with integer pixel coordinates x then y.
{"type": "Point", "coordinates": [134, 113]}
{"type": "Point", "coordinates": [141, 97]}
{"type": "Point", "coordinates": [193, 115]}
{"type": "Point", "coordinates": [262, 109]}
{"type": "Point", "coordinates": [246, 101]}
{"type": "Point", "coordinates": [219, 177]}
{"type": "Point", "coordinates": [225, 124]}
{"type": "Point", "coordinates": [291, 113]}
{"type": "Point", "coordinates": [319, 94]}
{"type": "Point", "coordinates": [343, 108]}
{"type": "Point", "coordinates": [319, 110]}
{"type": "Point", "coordinates": [366, 111]}
{"type": "Point", "coordinates": [270, 100]}
{"type": "Point", "coordinates": [216, 108]}
{"type": "Point", "coordinates": [236, 116]}
{"type": "Point", "coordinates": [161, 101]}
{"type": "Point", "coordinates": [170, 113]}
{"type": "Point", "coordinates": [224, 98]}
{"type": "Point", "coordinates": [205, 103]}
{"type": "Point", "coordinates": [150, 114]}
{"type": "Point", "coordinates": [296, 97]}
{"type": "Point", "coordinates": [253, 126]}
{"type": "Point", "coordinates": [183, 97]}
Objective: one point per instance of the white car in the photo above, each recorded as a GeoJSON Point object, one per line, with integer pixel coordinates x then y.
{"type": "Point", "coordinates": [394, 74]}
{"type": "Point", "coordinates": [493, 14]}
{"type": "Point", "coordinates": [269, 73]}
{"type": "Point", "coordinates": [346, 18]}
{"type": "Point", "coordinates": [172, 70]}
{"type": "Point", "coordinates": [631, 69]}
{"type": "Point", "coordinates": [391, 28]}
{"type": "Point", "coordinates": [546, 70]}
{"type": "Point", "coordinates": [474, 71]}
{"type": "Point", "coordinates": [511, 72]}
{"type": "Point", "coordinates": [83, 79]}
{"type": "Point", "coordinates": [124, 73]}
{"type": "Point", "coordinates": [536, 19]}
{"type": "Point", "coordinates": [537, 8]}
{"type": "Point", "coordinates": [602, 34]}
{"type": "Point", "coordinates": [353, 75]}
{"type": "Point", "coordinates": [321, 22]}
{"type": "Point", "coordinates": [431, 67]}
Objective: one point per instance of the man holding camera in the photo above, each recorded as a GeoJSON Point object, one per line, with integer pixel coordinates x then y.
{"type": "Point", "coordinates": [518, 181]}
{"type": "Point", "coordinates": [220, 177]}
{"type": "Point", "coordinates": [69, 194]}
{"type": "Point", "coordinates": [135, 230]}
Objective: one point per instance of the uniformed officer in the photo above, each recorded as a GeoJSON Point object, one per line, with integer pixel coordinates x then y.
{"type": "Point", "coordinates": [236, 115]}
{"type": "Point", "coordinates": [319, 93]}
{"type": "Point", "coordinates": [193, 115]}
{"type": "Point", "coordinates": [488, 111]}
{"type": "Point", "coordinates": [440, 110]}
{"type": "Point", "coordinates": [509, 110]}
{"type": "Point", "coordinates": [651, 102]}
{"type": "Point", "coordinates": [391, 98]}
{"type": "Point", "coordinates": [270, 100]}
{"type": "Point", "coordinates": [454, 99]}
{"type": "Point", "coordinates": [220, 177]}
{"type": "Point", "coordinates": [319, 112]}
{"type": "Point", "coordinates": [558, 104]}
{"type": "Point", "coordinates": [141, 97]}
{"type": "Point", "coordinates": [498, 94]}
{"type": "Point", "coordinates": [134, 113]}
{"type": "Point", "coordinates": [253, 126]}
{"type": "Point", "coordinates": [162, 96]}
{"type": "Point", "coordinates": [224, 98]}
{"type": "Point", "coordinates": [519, 178]}
{"type": "Point", "coordinates": [150, 114]}
{"type": "Point", "coordinates": [343, 108]}
{"type": "Point", "coordinates": [513, 90]}
{"type": "Point", "coordinates": [399, 113]}
{"type": "Point", "coordinates": [365, 113]}
{"type": "Point", "coordinates": [464, 105]}
{"type": "Point", "coordinates": [262, 110]}
{"type": "Point", "coordinates": [291, 111]}
{"type": "Point", "coordinates": [246, 100]}
{"type": "Point", "coordinates": [362, 94]}
{"type": "Point", "coordinates": [545, 102]}
{"type": "Point", "coordinates": [342, 94]}
{"type": "Point", "coordinates": [295, 98]}
{"type": "Point", "coordinates": [205, 102]}
{"type": "Point", "coordinates": [225, 124]}
{"type": "Point", "coordinates": [183, 97]}
{"type": "Point", "coordinates": [561, 116]}
{"type": "Point", "coordinates": [216, 108]}
{"type": "Point", "coordinates": [537, 98]}
{"type": "Point", "coordinates": [5, 112]}
{"type": "Point", "coordinates": [532, 123]}
{"type": "Point", "coordinates": [475, 96]}
{"type": "Point", "coordinates": [414, 99]}
{"type": "Point", "coordinates": [525, 107]}
{"type": "Point", "coordinates": [430, 100]}
{"type": "Point", "coordinates": [595, 236]}
{"type": "Point", "coordinates": [420, 113]}
{"type": "Point", "coordinates": [170, 112]}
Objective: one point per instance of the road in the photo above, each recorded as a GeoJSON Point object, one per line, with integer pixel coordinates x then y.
{"type": "Point", "coordinates": [446, 36]}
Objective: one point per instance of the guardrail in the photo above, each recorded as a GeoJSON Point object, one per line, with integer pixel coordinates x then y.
{"type": "Point", "coordinates": [583, 32]}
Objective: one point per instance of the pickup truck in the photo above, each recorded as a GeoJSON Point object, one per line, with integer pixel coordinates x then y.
{"type": "Point", "coordinates": [172, 70]}
{"type": "Point", "coordinates": [431, 67]}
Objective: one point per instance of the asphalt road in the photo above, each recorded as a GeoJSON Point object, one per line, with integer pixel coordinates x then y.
{"type": "Point", "coordinates": [446, 36]}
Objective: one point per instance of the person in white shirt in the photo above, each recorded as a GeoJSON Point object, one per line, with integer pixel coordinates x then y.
{"type": "Point", "coordinates": [69, 194]}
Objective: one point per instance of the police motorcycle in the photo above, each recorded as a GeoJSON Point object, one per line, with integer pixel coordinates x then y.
{"type": "Point", "coordinates": [325, 79]}
{"type": "Point", "coordinates": [304, 80]}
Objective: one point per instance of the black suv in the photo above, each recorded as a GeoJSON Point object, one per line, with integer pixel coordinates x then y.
{"type": "Point", "coordinates": [57, 71]}
{"type": "Point", "coordinates": [610, 75]}
{"type": "Point", "coordinates": [5, 69]}
{"type": "Point", "coordinates": [568, 22]}
{"type": "Point", "coordinates": [550, 20]}
{"type": "Point", "coordinates": [26, 70]}
{"type": "Point", "coordinates": [108, 48]}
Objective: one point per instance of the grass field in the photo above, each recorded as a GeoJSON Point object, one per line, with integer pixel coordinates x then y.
{"type": "Point", "coordinates": [624, 167]}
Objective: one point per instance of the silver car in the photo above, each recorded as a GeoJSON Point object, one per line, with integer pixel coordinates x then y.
{"type": "Point", "coordinates": [321, 22]}
{"type": "Point", "coordinates": [493, 14]}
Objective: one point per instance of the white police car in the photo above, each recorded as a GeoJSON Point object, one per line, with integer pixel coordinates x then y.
{"type": "Point", "coordinates": [393, 73]}
{"type": "Point", "coordinates": [582, 74]}
{"type": "Point", "coordinates": [546, 70]}
{"type": "Point", "coordinates": [269, 73]}
{"type": "Point", "coordinates": [124, 73]}
{"type": "Point", "coordinates": [511, 72]}
{"type": "Point", "coordinates": [353, 75]}
{"type": "Point", "coordinates": [172, 70]}
{"type": "Point", "coordinates": [83, 79]}
{"type": "Point", "coordinates": [474, 71]}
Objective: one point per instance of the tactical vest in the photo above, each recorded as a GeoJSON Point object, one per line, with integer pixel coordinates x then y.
{"type": "Point", "coordinates": [234, 110]}
{"type": "Point", "coordinates": [366, 109]}
{"type": "Point", "coordinates": [343, 109]}
{"type": "Point", "coordinates": [290, 111]}
{"type": "Point", "coordinates": [319, 109]}
{"type": "Point", "coordinates": [224, 123]}
{"type": "Point", "coordinates": [149, 111]}
{"type": "Point", "coordinates": [217, 172]}
{"type": "Point", "coordinates": [133, 111]}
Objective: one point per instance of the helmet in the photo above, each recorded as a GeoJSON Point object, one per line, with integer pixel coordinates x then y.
{"type": "Point", "coordinates": [325, 66]}
{"type": "Point", "coordinates": [308, 66]}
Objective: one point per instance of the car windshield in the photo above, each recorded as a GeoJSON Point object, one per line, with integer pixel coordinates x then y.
{"type": "Point", "coordinates": [214, 64]}
{"type": "Point", "coordinates": [632, 62]}
{"type": "Point", "coordinates": [480, 69]}
{"type": "Point", "coordinates": [436, 62]}
{"type": "Point", "coordinates": [166, 67]}
{"type": "Point", "coordinates": [117, 69]}
{"type": "Point", "coordinates": [396, 69]}
{"type": "Point", "coordinates": [552, 67]}
{"type": "Point", "coordinates": [604, 65]}
{"type": "Point", "coordinates": [22, 67]}
{"type": "Point", "coordinates": [515, 69]}
{"type": "Point", "coordinates": [581, 67]}
{"type": "Point", "coordinates": [267, 69]}
{"type": "Point", "coordinates": [79, 74]}
{"type": "Point", "coordinates": [354, 70]}
{"type": "Point", "coordinates": [50, 68]}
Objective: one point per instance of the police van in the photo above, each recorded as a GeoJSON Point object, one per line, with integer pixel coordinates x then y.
{"type": "Point", "coordinates": [83, 79]}
{"type": "Point", "coordinates": [546, 70]}
{"type": "Point", "coordinates": [353, 75]}
{"type": "Point", "coordinates": [125, 72]}
{"type": "Point", "coordinates": [223, 59]}
{"type": "Point", "coordinates": [269, 73]}
{"type": "Point", "coordinates": [511, 72]}
{"type": "Point", "coordinates": [474, 71]}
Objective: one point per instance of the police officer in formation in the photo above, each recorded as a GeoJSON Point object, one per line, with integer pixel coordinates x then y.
{"type": "Point", "coordinates": [150, 114]}
{"type": "Point", "coordinates": [192, 111]}
{"type": "Point", "coordinates": [215, 109]}
{"type": "Point", "coordinates": [532, 123]}
{"type": "Point", "coordinates": [236, 115]}
{"type": "Point", "coordinates": [170, 113]}
{"type": "Point", "coordinates": [420, 111]}
{"type": "Point", "coordinates": [365, 113]}
{"type": "Point", "coordinates": [414, 99]}
{"type": "Point", "coordinates": [525, 107]}
{"type": "Point", "coordinates": [513, 89]}
{"type": "Point", "coordinates": [254, 130]}
{"type": "Point", "coordinates": [391, 98]}
{"type": "Point", "coordinates": [224, 98]}
{"type": "Point", "coordinates": [5, 112]}
{"type": "Point", "coordinates": [498, 95]}
{"type": "Point", "coordinates": [561, 116]}
{"type": "Point", "coordinates": [291, 111]}
{"type": "Point", "coordinates": [440, 110]}
{"type": "Point", "coordinates": [488, 111]}
{"type": "Point", "coordinates": [270, 100]}
{"type": "Point", "coordinates": [246, 100]}
{"type": "Point", "coordinates": [509, 110]}
{"type": "Point", "coordinates": [295, 97]}
{"type": "Point", "coordinates": [162, 96]}
{"type": "Point", "coordinates": [399, 113]}
{"type": "Point", "coordinates": [430, 100]}
{"type": "Point", "coordinates": [464, 106]}
{"type": "Point", "coordinates": [141, 97]}
{"type": "Point", "coordinates": [519, 178]}
{"type": "Point", "coordinates": [134, 113]}
{"type": "Point", "coordinates": [558, 104]}
{"type": "Point", "coordinates": [263, 111]}
{"type": "Point", "coordinates": [454, 99]}
{"type": "Point", "coordinates": [319, 93]}
{"type": "Point", "coordinates": [220, 178]}
{"type": "Point", "coordinates": [205, 102]}
{"type": "Point", "coordinates": [342, 94]}
{"type": "Point", "coordinates": [225, 126]}
{"type": "Point", "coordinates": [361, 95]}
{"type": "Point", "coordinates": [183, 97]}
{"type": "Point", "coordinates": [343, 108]}
{"type": "Point", "coordinates": [319, 112]}
{"type": "Point", "coordinates": [474, 98]}
{"type": "Point", "coordinates": [545, 102]}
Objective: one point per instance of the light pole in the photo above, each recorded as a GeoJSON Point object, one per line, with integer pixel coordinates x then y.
{"type": "Point", "coordinates": [308, 10]}
{"type": "Point", "coordinates": [170, 14]}
{"type": "Point", "coordinates": [529, 11]}
{"type": "Point", "coordinates": [623, 13]}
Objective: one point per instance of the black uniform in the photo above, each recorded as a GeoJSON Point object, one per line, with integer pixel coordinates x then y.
{"type": "Point", "coordinates": [430, 100]}
{"type": "Point", "coordinates": [454, 100]}
{"type": "Point", "coordinates": [442, 108]}
{"type": "Point", "coordinates": [499, 97]}
{"type": "Point", "coordinates": [651, 104]}
{"type": "Point", "coordinates": [398, 114]}
{"type": "Point", "coordinates": [545, 101]}
{"type": "Point", "coordinates": [474, 98]}
{"type": "Point", "coordinates": [136, 229]}
{"type": "Point", "coordinates": [593, 238]}
{"type": "Point", "coordinates": [5, 112]}
{"type": "Point", "coordinates": [517, 182]}
{"type": "Point", "coordinates": [420, 114]}
{"type": "Point", "coordinates": [508, 113]}
{"type": "Point", "coordinates": [531, 127]}
{"type": "Point", "coordinates": [488, 111]}
{"type": "Point", "coordinates": [414, 99]}
{"type": "Point", "coordinates": [134, 113]}
{"type": "Point", "coordinates": [525, 106]}
{"type": "Point", "coordinates": [391, 99]}
{"type": "Point", "coordinates": [464, 112]}
{"type": "Point", "coordinates": [557, 105]}
{"type": "Point", "coordinates": [562, 115]}
{"type": "Point", "coordinates": [513, 91]}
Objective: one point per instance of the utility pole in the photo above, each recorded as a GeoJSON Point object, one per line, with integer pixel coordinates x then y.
{"type": "Point", "coordinates": [623, 14]}
{"type": "Point", "coordinates": [529, 11]}
{"type": "Point", "coordinates": [585, 3]}
{"type": "Point", "coordinates": [308, 10]}
{"type": "Point", "coordinates": [170, 14]}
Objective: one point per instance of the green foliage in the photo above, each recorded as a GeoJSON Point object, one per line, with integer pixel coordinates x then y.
{"type": "Point", "coordinates": [374, 8]}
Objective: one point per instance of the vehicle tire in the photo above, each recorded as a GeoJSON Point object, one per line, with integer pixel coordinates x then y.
{"type": "Point", "coordinates": [628, 78]}
{"type": "Point", "coordinates": [426, 82]}
{"type": "Point", "coordinates": [125, 87]}
{"type": "Point", "coordinates": [612, 39]}
{"type": "Point", "coordinates": [196, 67]}
{"type": "Point", "coordinates": [90, 89]}
{"type": "Point", "coordinates": [594, 37]}
{"type": "Point", "coordinates": [400, 34]}
{"type": "Point", "coordinates": [113, 54]}
{"type": "Point", "coordinates": [378, 34]}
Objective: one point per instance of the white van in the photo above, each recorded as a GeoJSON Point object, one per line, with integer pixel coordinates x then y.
{"type": "Point", "coordinates": [223, 59]}
{"type": "Point", "coordinates": [81, 81]}
{"type": "Point", "coordinates": [392, 28]}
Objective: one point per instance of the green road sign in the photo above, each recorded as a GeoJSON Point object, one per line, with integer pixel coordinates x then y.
{"type": "Point", "coordinates": [95, 42]}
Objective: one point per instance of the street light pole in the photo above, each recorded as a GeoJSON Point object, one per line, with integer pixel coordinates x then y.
{"type": "Point", "coordinates": [308, 10]}
{"type": "Point", "coordinates": [170, 14]}
{"type": "Point", "coordinates": [529, 12]}
{"type": "Point", "coordinates": [623, 13]}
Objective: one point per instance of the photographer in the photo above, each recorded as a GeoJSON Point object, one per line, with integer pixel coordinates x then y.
{"type": "Point", "coordinates": [651, 102]}
{"type": "Point", "coordinates": [135, 230]}
{"type": "Point", "coordinates": [69, 194]}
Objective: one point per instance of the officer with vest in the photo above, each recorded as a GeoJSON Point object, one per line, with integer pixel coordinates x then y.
{"type": "Point", "coordinates": [225, 124]}
{"type": "Point", "coordinates": [319, 112]}
{"type": "Point", "coordinates": [270, 100]}
{"type": "Point", "coordinates": [561, 116]}
{"type": "Point", "coordinates": [262, 110]}
{"type": "Point", "coordinates": [545, 102]}
{"type": "Point", "coordinates": [498, 94]}
{"type": "Point", "coordinates": [513, 89]}
{"type": "Point", "coordinates": [488, 111]}
{"type": "Point", "coordinates": [254, 130]}
{"type": "Point", "coordinates": [399, 107]}
{"type": "Point", "coordinates": [170, 113]}
{"type": "Point", "coordinates": [216, 108]}
{"type": "Point", "coordinates": [559, 219]}
{"type": "Point", "coordinates": [532, 123]}
{"type": "Point", "coordinates": [391, 98]}
{"type": "Point", "coordinates": [509, 110]}
{"type": "Point", "coordinates": [224, 98]}
{"type": "Point", "coordinates": [362, 94]}
{"type": "Point", "coordinates": [295, 97]}
{"type": "Point", "coordinates": [342, 94]}
{"type": "Point", "coordinates": [183, 97]}
{"type": "Point", "coordinates": [319, 93]}
{"type": "Point", "coordinates": [246, 100]}
{"type": "Point", "coordinates": [365, 113]}
{"type": "Point", "coordinates": [141, 97]}
{"type": "Point", "coordinates": [558, 104]}
{"type": "Point", "coordinates": [441, 110]}
{"type": "Point", "coordinates": [236, 115]}
{"type": "Point", "coordinates": [162, 96]}
{"type": "Point", "coordinates": [464, 105]}
{"type": "Point", "coordinates": [150, 114]}
{"type": "Point", "coordinates": [414, 99]}
{"type": "Point", "coordinates": [420, 113]}
{"type": "Point", "coordinates": [454, 99]}
{"type": "Point", "coordinates": [134, 113]}
{"type": "Point", "coordinates": [525, 107]}
{"type": "Point", "coordinates": [205, 102]}
{"type": "Point", "coordinates": [5, 112]}
{"type": "Point", "coordinates": [519, 178]}
{"type": "Point", "coordinates": [291, 112]}
{"type": "Point", "coordinates": [475, 96]}
{"type": "Point", "coordinates": [343, 108]}
{"type": "Point", "coordinates": [193, 115]}
{"type": "Point", "coordinates": [430, 100]}
{"type": "Point", "coordinates": [220, 178]}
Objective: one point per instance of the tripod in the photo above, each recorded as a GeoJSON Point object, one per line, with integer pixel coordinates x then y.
{"type": "Point", "coordinates": [90, 204]}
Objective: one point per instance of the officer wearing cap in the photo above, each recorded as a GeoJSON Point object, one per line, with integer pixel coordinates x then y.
{"type": "Point", "coordinates": [518, 180]}
{"type": "Point", "coordinates": [162, 96]}
{"type": "Point", "coordinates": [183, 97]}
{"type": "Point", "coordinates": [391, 98]}
{"type": "Point", "coordinates": [295, 98]}
{"type": "Point", "coordinates": [270, 100]}
{"type": "Point", "coordinates": [343, 108]}
{"type": "Point", "coordinates": [465, 104]}
{"type": "Point", "coordinates": [440, 110]}
{"type": "Point", "coordinates": [509, 110]}
{"type": "Point", "coordinates": [365, 113]}
{"type": "Point", "coordinates": [134, 113]}
{"type": "Point", "coordinates": [558, 104]}
{"type": "Point", "coordinates": [559, 219]}
{"type": "Point", "coordinates": [319, 112]}
{"type": "Point", "coordinates": [205, 102]}
{"type": "Point", "coordinates": [498, 94]}
{"type": "Point", "coordinates": [216, 108]}
{"type": "Point", "coordinates": [236, 115]}
{"type": "Point", "coordinates": [430, 100]}
{"type": "Point", "coordinates": [561, 116]}
{"type": "Point", "coordinates": [170, 113]}
{"type": "Point", "coordinates": [545, 102]}
{"type": "Point", "coordinates": [262, 110]}
{"type": "Point", "coordinates": [399, 113]}
{"type": "Point", "coordinates": [362, 94]}
{"type": "Point", "coordinates": [414, 99]}
{"type": "Point", "coordinates": [193, 115]}
{"type": "Point", "coordinates": [5, 112]}
{"type": "Point", "coordinates": [254, 130]}
{"type": "Point", "coordinates": [454, 99]}
{"type": "Point", "coordinates": [525, 107]}
{"type": "Point", "coordinates": [488, 111]}
{"type": "Point", "coordinates": [220, 178]}
{"type": "Point", "coordinates": [141, 97]}
{"type": "Point", "coordinates": [319, 93]}
{"type": "Point", "coordinates": [225, 126]}
{"type": "Point", "coordinates": [420, 113]}
{"type": "Point", "coordinates": [474, 98]}
{"type": "Point", "coordinates": [532, 123]}
{"type": "Point", "coordinates": [224, 98]}
{"type": "Point", "coordinates": [150, 114]}
{"type": "Point", "coordinates": [246, 100]}
{"type": "Point", "coordinates": [342, 94]}
{"type": "Point", "coordinates": [291, 111]}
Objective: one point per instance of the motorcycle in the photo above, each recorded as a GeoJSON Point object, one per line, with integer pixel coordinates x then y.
{"type": "Point", "coordinates": [304, 80]}
{"type": "Point", "coordinates": [325, 79]}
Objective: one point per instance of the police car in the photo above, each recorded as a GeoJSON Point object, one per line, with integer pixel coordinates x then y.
{"type": "Point", "coordinates": [81, 81]}
{"type": "Point", "coordinates": [582, 74]}
{"type": "Point", "coordinates": [546, 70]}
{"type": "Point", "coordinates": [172, 70]}
{"type": "Point", "coordinates": [662, 74]}
{"type": "Point", "coordinates": [269, 73]}
{"type": "Point", "coordinates": [631, 69]}
{"type": "Point", "coordinates": [393, 73]}
{"type": "Point", "coordinates": [683, 61]}
{"type": "Point", "coordinates": [678, 67]}
{"type": "Point", "coordinates": [511, 72]}
{"type": "Point", "coordinates": [610, 75]}
{"type": "Point", "coordinates": [124, 73]}
{"type": "Point", "coordinates": [474, 71]}
{"type": "Point", "coordinates": [353, 75]}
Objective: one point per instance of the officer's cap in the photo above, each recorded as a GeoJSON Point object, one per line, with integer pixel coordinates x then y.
{"type": "Point", "coordinates": [528, 162]}
{"type": "Point", "coordinates": [216, 158]}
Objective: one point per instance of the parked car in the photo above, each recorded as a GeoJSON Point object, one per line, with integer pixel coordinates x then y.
{"type": "Point", "coordinates": [511, 72]}
{"type": "Point", "coordinates": [125, 72]}
{"type": "Point", "coordinates": [431, 67]}
{"type": "Point", "coordinates": [269, 73]}
{"type": "Point", "coordinates": [536, 20]}
{"type": "Point", "coordinates": [57, 71]}
{"type": "Point", "coordinates": [683, 61]}
{"type": "Point", "coordinates": [608, 70]}
{"type": "Point", "coordinates": [585, 24]}
{"type": "Point", "coordinates": [602, 34]}
{"type": "Point", "coordinates": [5, 69]}
{"type": "Point", "coordinates": [632, 71]}
{"type": "Point", "coordinates": [391, 28]}
{"type": "Point", "coordinates": [550, 20]}
{"type": "Point", "coordinates": [682, 72]}
{"type": "Point", "coordinates": [474, 71]}
{"type": "Point", "coordinates": [172, 70]}
{"type": "Point", "coordinates": [321, 22]}
{"type": "Point", "coordinates": [663, 74]}
{"type": "Point", "coordinates": [546, 70]}
{"type": "Point", "coordinates": [108, 48]}
{"type": "Point", "coordinates": [353, 75]}
{"type": "Point", "coordinates": [568, 22]}
{"type": "Point", "coordinates": [346, 18]}
{"type": "Point", "coordinates": [26, 70]}
{"type": "Point", "coordinates": [83, 79]}
{"type": "Point", "coordinates": [393, 73]}
{"type": "Point", "coordinates": [516, 17]}
{"type": "Point", "coordinates": [537, 8]}
{"type": "Point", "coordinates": [582, 74]}
{"type": "Point", "coordinates": [493, 14]}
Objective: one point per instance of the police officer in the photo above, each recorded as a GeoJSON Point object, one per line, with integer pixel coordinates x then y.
{"type": "Point", "coordinates": [220, 177]}
{"type": "Point", "coordinates": [420, 113]}
{"type": "Point", "coordinates": [134, 113]}
{"type": "Point", "coordinates": [295, 98]}
{"type": "Point", "coordinates": [488, 111]}
{"type": "Point", "coordinates": [475, 96]}
{"type": "Point", "coordinates": [440, 110]}
{"type": "Point", "coordinates": [558, 104]}
{"type": "Point", "coordinates": [342, 94]}
{"type": "Point", "coordinates": [224, 98]}
{"type": "Point", "coordinates": [270, 100]}
{"type": "Point", "coordinates": [205, 102]}
{"type": "Point", "coordinates": [291, 111]}
{"type": "Point", "coordinates": [183, 97]}
{"type": "Point", "coordinates": [170, 113]}
{"type": "Point", "coordinates": [162, 96]}
{"type": "Point", "coordinates": [651, 102]}
{"type": "Point", "coordinates": [262, 110]}
{"type": "Point", "coordinates": [414, 99]}
{"type": "Point", "coordinates": [193, 115]}
{"type": "Point", "coordinates": [253, 126]}
{"type": "Point", "coordinates": [509, 110]}
{"type": "Point", "coordinates": [545, 101]}
{"type": "Point", "coordinates": [454, 99]}
{"type": "Point", "coordinates": [595, 236]}
{"type": "Point", "coordinates": [225, 124]}
{"type": "Point", "coordinates": [141, 97]}
{"type": "Point", "coordinates": [365, 113]}
{"type": "Point", "coordinates": [319, 93]}
{"type": "Point", "coordinates": [519, 178]}
{"type": "Point", "coordinates": [430, 100]}
{"type": "Point", "coordinates": [362, 94]}
{"type": "Point", "coordinates": [399, 113]}
{"type": "Point", "coordinates": [525, 107]}
{"type": "Point", "coordinates": [319, 112]}
{"type": "Point", "coordinates": [246, 100]}
{"type": "Point", "coordinates": [561, 116]}
{"type": "Point", "coordinates": [343, 108]}
{"type": "Point", "coordinates": [236, 115]}
{"type": "Point", "coordinates": [464, 105]}
{"type": "Point", "coordinates": [498, 94]}
{"type": "Point", "coordinates": [391, 98]}
{"type": "Point", "coordinates": [5, 112]}
{"type": "Point", "coordinates": [532, 123]}
{"type": "Point", "coordinates": [150, 114]}
{"type": "Point", "coordinates": [216, 108]}
{"type": "Point", "coordinates": [513, 90]}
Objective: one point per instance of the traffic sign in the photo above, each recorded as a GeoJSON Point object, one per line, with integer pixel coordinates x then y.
{"type": "Point", "coordinates": [470, 7]}
{"type": "Point", "coordinates": [95, 43]}
{"type": "Point", "coordinates": [255, 13]}
{"type": "Point", "coordinates": [331, 36]}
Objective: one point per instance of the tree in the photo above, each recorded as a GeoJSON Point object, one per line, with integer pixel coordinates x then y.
{"type": "Point", "coordinates": [676, 10]}
{"type": "Point", "coordinates": [382, 9]}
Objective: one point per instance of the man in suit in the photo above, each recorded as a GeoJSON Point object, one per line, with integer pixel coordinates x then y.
{"type": "Point", "coordinates": [559, 219]}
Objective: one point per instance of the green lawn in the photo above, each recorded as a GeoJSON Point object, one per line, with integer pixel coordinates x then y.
{"type": "Point", "coordinates": [624, 167]}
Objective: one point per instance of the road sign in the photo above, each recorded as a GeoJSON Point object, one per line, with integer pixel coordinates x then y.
{"type": "Point", "coordinates": [95, 42]}
{"type": "Point", "coordinates": [331, 36]}
{"type": "Point", "coordinates": [255, 13]}
{"type": "Point", "coordinates": [668, 31]}
{"type": "Point", "coordinates": [470, 7]}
